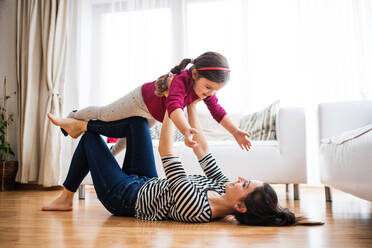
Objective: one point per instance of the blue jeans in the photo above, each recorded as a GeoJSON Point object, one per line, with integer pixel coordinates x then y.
{"type": "Point", "coordinates": [116, 188]}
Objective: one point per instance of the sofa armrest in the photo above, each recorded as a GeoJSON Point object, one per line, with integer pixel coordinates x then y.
{"type": "Point", "coordinates": [291, 133]}
{"type": "Point", "coordinates": [337, 117]}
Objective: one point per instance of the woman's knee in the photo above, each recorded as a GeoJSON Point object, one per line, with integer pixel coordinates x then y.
{"type": "Point", "coordinates": [88, 136]}
{"type": "Point", "coordinates": [140, 122]}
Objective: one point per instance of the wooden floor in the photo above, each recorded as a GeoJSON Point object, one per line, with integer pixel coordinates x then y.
{"type": "Point", "coordinates": [22, 224]}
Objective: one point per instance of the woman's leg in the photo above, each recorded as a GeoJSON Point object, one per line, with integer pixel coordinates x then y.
{"type": "Point", "coordinates": [79, 168]}
{"type": "Point", "coordinates": [139, 157]}
{"type": "Point", "coordinates": [141, 163]}
{"type": "Point", "coordinates": [121, 143]}
{"type": "Point", "coordinates": [93, 155]}
{"type": "Point", "coordinates": [115, 189]}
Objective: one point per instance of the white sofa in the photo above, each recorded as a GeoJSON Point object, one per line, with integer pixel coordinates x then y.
{"type": "Point", "coordinates": [281, 161]}
{"type": "Point", "coordinates": [345, 151]}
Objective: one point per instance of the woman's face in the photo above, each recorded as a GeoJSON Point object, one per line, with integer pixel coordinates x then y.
{"type": "Point", "coordinates": [241, 188]}
{"type": "Point", "coordinates": [204, 87]}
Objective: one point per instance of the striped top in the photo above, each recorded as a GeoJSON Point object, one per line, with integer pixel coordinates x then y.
{"type": "Point", "coordinates": [180, 197]}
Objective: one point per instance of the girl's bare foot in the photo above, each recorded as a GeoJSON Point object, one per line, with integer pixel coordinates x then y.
{"type": "Point", "coordinates": [62, 203]}
{"type": "Point", "coordinates": [72, 126]}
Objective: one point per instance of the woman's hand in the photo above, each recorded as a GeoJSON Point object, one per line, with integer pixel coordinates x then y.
{"type": "Point", "coordinates": [242, 138]}
{"type": "Point", "coordinates": [189, 137]}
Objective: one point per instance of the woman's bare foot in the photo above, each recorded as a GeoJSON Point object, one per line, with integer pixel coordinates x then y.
{"type": "Point", "coordinates": [72, 126]}
{"type": "Point", "coordinates": [62, 203]}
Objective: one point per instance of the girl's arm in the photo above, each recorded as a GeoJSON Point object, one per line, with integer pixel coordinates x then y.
{"type": "Point", "coordinates": [219, 114]}
{"type": "Point", "coordinates": [240, 136]}
{"type": "Point", "coordinates": [179, 119]}
{"type": "Point", "coordinates": [202, 148]}
{"type": "Point", "coordinates": [174, 103]}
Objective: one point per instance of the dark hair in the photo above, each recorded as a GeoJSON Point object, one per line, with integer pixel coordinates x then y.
{"type": "Point", "coordinates": [263, 209]}
{"type": "Point", "coordinates": [208, 59]}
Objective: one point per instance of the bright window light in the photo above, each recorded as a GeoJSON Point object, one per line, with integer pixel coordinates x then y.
{"type": "Point", "coordinates": [136, 48]}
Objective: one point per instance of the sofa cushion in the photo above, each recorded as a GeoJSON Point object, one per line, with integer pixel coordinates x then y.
{"type": "Point", "coordinates": [156, 129]}
{"type": "Point", "coordinates": [347, 136]}
{"type": "Point", "coordinates": [261, 125]}
{"type": "Point", "coordinates": [212, 130]}
{"type": "Point", "coordinates": [345, 163]}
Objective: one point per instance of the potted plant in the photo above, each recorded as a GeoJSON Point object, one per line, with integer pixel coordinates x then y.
{"type": "Point", "coordinates": [8, 169]}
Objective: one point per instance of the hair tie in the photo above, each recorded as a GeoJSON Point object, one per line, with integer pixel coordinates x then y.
{"type": "Point", "coordinates": [213, 68]}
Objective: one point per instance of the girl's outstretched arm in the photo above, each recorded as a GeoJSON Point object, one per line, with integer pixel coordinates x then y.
{"type": "Point", "coordinates": [240, 136]}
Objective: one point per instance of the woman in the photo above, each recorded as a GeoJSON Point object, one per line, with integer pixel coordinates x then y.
{"type": "Point", "coordinates": [137, 191]}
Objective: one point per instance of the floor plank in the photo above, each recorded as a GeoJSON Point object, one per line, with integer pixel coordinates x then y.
{"type": "Point", "coordinates": [348, 223]}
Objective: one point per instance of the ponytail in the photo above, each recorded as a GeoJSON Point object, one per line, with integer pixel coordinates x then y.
{"type": "Point", "coordinates": [161, 85]}
{"type": "Point", "coordinates": [263, 210]}
{"type": "Point", "coordinates": [178, 68]}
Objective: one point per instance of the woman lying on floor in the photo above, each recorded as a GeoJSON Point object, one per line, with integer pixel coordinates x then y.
{"type": "Point", "coordinates": [136, 190]}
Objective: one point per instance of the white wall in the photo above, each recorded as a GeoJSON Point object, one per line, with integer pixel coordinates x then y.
{"type": "Point", "coordinates": [8, 17]}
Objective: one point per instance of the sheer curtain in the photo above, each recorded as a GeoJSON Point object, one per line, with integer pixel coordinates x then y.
{"type": "Point", "coordinates": [302, 52]}
{"type": "Point", "coordinates": [122, 44]}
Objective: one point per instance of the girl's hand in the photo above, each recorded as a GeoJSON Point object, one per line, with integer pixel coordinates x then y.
{"type": "Point", "coordinates": [189, 135]}
{"type": "Point", "coordinates": [242, 138]}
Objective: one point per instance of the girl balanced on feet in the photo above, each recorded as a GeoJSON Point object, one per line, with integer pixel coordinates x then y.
{"type": "Point", "coordinates": [136, 190]}
{"type": "Point", "coordinates": [172, 92]}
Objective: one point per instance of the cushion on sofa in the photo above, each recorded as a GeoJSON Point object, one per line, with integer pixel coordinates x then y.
{"type": "Point", "coordinates": [261, 125]}
{"type": "Point", "coordinates": [156, 129]}
{"type": "Point", "coordinates": [347, 136]}
{"type": "Point", "coordinates": [212, 130]}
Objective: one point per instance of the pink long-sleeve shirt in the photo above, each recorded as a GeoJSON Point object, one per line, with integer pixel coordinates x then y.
{"type": "Point", "coordinates": [180, 95]}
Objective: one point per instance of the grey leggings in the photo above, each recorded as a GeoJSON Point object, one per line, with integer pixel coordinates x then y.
{"type": "Point", "coordinates": [129, 105]}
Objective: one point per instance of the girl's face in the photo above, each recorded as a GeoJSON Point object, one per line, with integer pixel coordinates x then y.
{"type": "Point", "coordinates": [204, 87]}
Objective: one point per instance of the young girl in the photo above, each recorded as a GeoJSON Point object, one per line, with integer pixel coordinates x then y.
{"type": "Point", "coordinates": [172, 92]}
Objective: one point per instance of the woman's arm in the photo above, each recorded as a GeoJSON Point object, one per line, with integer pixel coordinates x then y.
{"type": "Point", "coordinates": [166, 137]}
{"type": "Point", "coordinates": [188, 200]}
{"type": "Point", "coordinates": [206, 160]}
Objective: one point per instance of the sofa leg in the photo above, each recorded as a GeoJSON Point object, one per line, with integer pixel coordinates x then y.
{"type": "Point", "coordinates": [287, 188]}
{"type": "Point", "coordinates": [328, 193]}
{"type": "Point", "coordinates": [82, 191]}
{"type": "Point", "coordinates": [296, 192]}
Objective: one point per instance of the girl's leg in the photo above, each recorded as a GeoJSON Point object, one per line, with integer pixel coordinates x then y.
{"type": "Point", "coordinates": [122, 108]}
